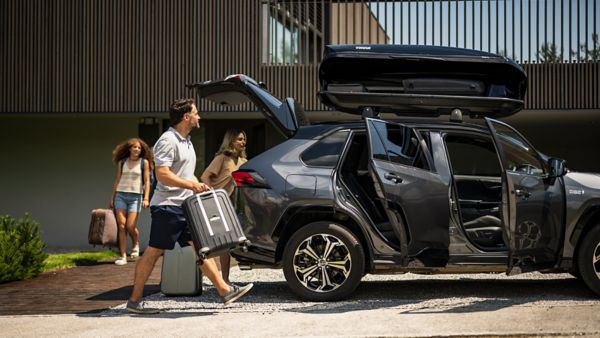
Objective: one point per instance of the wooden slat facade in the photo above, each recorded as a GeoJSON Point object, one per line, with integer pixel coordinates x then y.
{"type": "Point", "coordinates": [557, 86]}
{"type": "Point", "coordinates": [97, 56]}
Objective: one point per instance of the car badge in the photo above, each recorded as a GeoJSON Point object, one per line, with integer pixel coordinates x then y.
{"type": "Point", "coordinates": [576, 192]}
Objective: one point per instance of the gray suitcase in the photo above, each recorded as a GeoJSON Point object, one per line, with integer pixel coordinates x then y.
{"type": "Point", "coordinates": [180, 275]}
{"type": "Point", "coordinates": [213, 223]}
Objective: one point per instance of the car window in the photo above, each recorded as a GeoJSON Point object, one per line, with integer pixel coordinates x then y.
{"type": "Point", "coordinates": [394, 143]}
{"type": "Point", "coordinates": [326, 152]}
{"type": "Point", "coordinates": [421, 158]}
{"type": "Point", "coordinates": [472, 155]}
{"type": "Point", "coordinates": [520, 156]}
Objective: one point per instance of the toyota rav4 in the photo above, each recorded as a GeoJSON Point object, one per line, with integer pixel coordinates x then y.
{"type": "Point", "coordinates": [408, 194]}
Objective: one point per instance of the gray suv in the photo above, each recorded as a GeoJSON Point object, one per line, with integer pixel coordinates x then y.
{"type": "Point", "coordinates": [409, 192]}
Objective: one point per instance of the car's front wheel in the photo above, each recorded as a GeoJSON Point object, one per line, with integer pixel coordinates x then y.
{"type": "Point", "coordinates": [323, 261]}
{"type": "Point", "coordinates": [588, 258]}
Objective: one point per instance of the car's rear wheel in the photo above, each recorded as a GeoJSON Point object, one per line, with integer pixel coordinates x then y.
{"type": "Point", "coordinates": [323, 261]}
{"type": "Point", "coordinates": [588, 259]}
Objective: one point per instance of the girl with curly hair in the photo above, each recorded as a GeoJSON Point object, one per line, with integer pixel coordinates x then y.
{"type": "Point", "coordinates": [130, 191]}
{"type": "Point", "coordinates": [229, 158]}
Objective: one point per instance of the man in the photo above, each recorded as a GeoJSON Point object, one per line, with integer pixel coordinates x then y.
{"type": "Point", "coordinates": [175, 161]}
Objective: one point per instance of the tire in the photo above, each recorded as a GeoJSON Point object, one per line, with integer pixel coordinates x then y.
{"type": "Point", "coordinates": [588, 259]}
{"type": "Point", "coordinates": [311, 274]}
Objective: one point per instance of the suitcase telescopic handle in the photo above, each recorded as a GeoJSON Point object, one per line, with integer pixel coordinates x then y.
{"type": "Point", "coordinates": [210, 230]}
{"type": "Point", "coordinates": [220, 210]}
{"type": "Point", "coordinates": [205, 216]}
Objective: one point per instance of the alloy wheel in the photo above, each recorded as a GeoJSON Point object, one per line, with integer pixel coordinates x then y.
{"type": "Point", "coordinates": [322, 262]}
{"type": "Point", "coordinates": [596, 260]}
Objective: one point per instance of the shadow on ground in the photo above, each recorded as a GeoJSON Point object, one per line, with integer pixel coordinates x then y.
{"type": "Point", "coordinates": [455, 296]}
{"type": "Point", "coordinates": [414, 296]}
{"type": "Point", "coordinates": [124, 292]}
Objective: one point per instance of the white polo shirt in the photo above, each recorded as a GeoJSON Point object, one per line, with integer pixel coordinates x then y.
{"type": "Point", "coordinates": [176, 152]}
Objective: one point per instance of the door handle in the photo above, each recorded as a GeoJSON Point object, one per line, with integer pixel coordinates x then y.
{"type": "Point", "coordinates": [393, 177]}
{"type": "Point", "coordinates": [524, 194]}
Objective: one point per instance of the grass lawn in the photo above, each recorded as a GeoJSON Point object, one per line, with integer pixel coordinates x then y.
{"type": "Point", "coordinates": [71, 259]}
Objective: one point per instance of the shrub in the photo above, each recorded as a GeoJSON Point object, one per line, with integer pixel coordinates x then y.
{"type": "Point", "coordinates": [21, 249]}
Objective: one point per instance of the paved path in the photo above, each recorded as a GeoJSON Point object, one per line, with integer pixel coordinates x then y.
{"type": "Point", "coordinates": [528, 305]}
{"type": "Point", "coordinates": [76, 290]}
{"type": "Point", "coordinates": [482, 305]}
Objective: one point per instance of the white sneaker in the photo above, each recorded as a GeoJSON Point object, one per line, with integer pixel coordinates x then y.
{"type": "Point", "coordinates": [121, 261]}
{"type": "Point", "coordinates": [135, 252]}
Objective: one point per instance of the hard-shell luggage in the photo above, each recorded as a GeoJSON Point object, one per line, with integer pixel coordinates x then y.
{"type": "Point", "coordinates": [180, 275]}
{"type": "Point", "coordinates": [213, 223]}
{"type": "Point", "coordinates": [103, 228]}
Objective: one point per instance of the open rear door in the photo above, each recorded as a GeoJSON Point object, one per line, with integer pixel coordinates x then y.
{"type": "Point", "coordinates": [238, 89]}
{"type": "Point", "coordinates": [415, 198]}
{"type": "Point", "coordinates": [532, 204]}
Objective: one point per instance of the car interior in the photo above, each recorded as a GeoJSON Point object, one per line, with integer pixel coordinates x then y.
{"type": "Point", "coordinates": [355, 175]}
{"type": "Point", "coordinates": [477, 182]}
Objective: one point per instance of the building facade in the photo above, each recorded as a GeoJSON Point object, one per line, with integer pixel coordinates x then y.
{"type": "Point", "coordinates": [77, 77]}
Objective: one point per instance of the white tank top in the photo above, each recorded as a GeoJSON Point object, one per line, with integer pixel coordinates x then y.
{"type": "Point", "coordinates": [131, 179]}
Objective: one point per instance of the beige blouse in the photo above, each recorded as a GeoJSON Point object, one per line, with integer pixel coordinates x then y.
{"type": "Point", "coordinates": [218, 173]}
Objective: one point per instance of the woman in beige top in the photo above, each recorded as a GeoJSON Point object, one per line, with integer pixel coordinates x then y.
{"type": "Point", "coordinates": [229, 158]}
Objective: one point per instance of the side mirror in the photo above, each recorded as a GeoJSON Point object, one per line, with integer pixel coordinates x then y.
{"type": "Point", "coordinates": [557, 167]}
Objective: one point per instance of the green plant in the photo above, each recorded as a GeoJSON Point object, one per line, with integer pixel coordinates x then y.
{"type": "Point", "coordinates": [549, 53]}
{"type": "Point", "coordinates": [587, 53]}
{"type": "Point", "coordinates": [21, 249]}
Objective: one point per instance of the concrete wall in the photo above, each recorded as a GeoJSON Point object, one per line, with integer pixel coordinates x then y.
{"type": "Point", "coordinates": [568, 134]}
{"type": "Point", "coordinates": [58, 169]}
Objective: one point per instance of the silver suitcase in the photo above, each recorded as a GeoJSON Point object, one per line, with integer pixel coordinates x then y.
{"type": "Point", "coordinates": [180, 275]}
{"type": "Point", "coordinates": [213, 223]}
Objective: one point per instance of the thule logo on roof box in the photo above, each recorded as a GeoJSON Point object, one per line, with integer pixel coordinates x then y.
{"type": "Point", "coordinates": [363, 47]}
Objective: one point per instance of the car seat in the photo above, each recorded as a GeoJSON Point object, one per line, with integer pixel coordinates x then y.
{"type": "Point", "coordinates": [486, 231]}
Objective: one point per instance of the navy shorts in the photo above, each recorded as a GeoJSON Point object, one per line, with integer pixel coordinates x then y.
{"type": "Point", "coordinates": [168, 226]}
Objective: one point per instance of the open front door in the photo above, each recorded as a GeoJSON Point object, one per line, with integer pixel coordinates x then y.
{"type": "Point", "coordinates": [532, 203]}
{"type": "Point", "coordinates": [415, 198]}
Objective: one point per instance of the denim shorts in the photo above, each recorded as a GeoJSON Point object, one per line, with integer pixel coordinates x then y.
{"type": "Point", "coordinates": [169, 225]}
{"type": "Point", "coordinates": [128, 201]}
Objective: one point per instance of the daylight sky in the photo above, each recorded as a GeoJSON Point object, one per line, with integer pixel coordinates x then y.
{"type": "Point", "coordinates": [488, 25]}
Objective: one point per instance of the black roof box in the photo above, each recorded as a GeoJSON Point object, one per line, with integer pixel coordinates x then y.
{"type": "Point", "coordinates": [420, 80]}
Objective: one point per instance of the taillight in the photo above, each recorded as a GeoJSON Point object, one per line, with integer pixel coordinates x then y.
{"type": "Point", "coordinates": [249, 178]}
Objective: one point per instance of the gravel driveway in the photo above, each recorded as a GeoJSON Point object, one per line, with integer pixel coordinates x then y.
{"type": "Point", "coordinates": [406, 293]}
{"type": "Point", "coordinates": [489, 305]}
